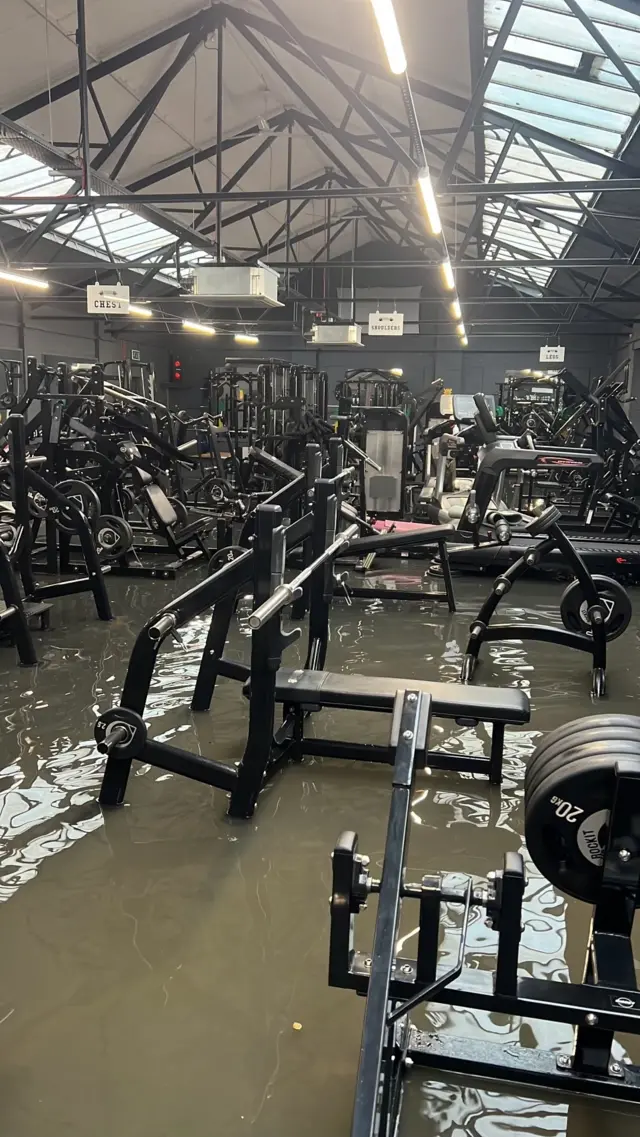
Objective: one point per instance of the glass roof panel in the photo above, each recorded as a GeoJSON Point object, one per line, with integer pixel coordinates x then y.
{"type": "Point", "coordinates": [128, 235]}
{"type": "Point", "coordinates": [584, 101]}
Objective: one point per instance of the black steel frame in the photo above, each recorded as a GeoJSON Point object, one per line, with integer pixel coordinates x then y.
{"type": "Point", "coordinates": [607, 1001]}
{"type": "Point", "coordinates": [390, 210]}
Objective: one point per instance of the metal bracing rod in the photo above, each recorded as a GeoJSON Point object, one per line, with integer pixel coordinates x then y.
{"type": "Point", "coordinates": [45, 225]}
{"type": "Point", "coordinates": [475, 20]}
{"type": "Point", "coordinates": [415, 135]}
{"type": "Point", "coordinates": [301, 93]}
{"type": "Point", "coordinates": [466, 266]}
{"type": "Point", "coordinates": [207, 196]}
{"type": "Point", "coordinates": [261, 207]}
{"type": "Point", "coordinates": [154, 269]}
{"type": "Point", "coordinates": [100, 113]}
{"type": "Point", "coordinates": [277, 34]}
{"type": "Point", "coordinates": [564, 145]}
{"type": "Point", "coordinates": [219, 139]}
{"type": "Point", "coordinates": [477, 98]}
{"type": "Point", "coordinates": [266, 246]}
{"type": "Point", "coordinates": [109, 66]}
{"type": "Point", "coordinates": [233, 181]}
{"type": "Point", "coordinates": [584, 209]}
{"type": "Point", "coordinates": [304, 97]}
{"type": "Point", "coordinates": [349, 111]}
{"type": "Point", "coordinates": [83, 87]}
{"type": "Point", "coordinates": [289, 185]}
{"type": "Point", "coordinates": [189, 160]}
{"type": "Point", "coordinates": [479, 210]}
{"type": "Point", "coordinates": [604, 45]}
{"type": "Point", "coordinates": [141, 114]}
{"type": "Point", "coordinates": [582, 230]}
{"type": "Point", "coordinates": [459, 190]}
{"type": "Point", "coordinates": [347, 91]}
{"type": "Point", "coordinates": [154, 97]}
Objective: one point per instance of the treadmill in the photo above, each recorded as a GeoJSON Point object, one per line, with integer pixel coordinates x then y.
{"type": "Point", "coordinates": [607, 555]}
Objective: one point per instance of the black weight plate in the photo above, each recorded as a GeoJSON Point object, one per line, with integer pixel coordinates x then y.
{"type": "Point", "coordinates": [550, 739]}
{"type": "Point", "coordinates": [599, 728]}
{"type": "Point", "coordinates": [573, 607]}
{"type": "Point", "coordinates": [8, 530]}
{"type": "Point", "coordinates": [215, 491]}
{"type": "Point", "coordinates": [114, 536]}
{"type": "Point", "coordinates": [223, 557]}
{"type": "Point", "coordinates": [80, 494]}
{"type": "Point", "coordinates": [566, 750]}
{"type": "Point", "coordinates": [136, 727]}
{"type": "Point", "coordinates": [571, 733]}
{"type": "Point", "coordinates": [566, 819]}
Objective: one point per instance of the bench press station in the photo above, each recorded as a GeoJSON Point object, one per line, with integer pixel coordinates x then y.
{"type": "Point", "coordinates": [582, 811]}
{"type": "Point", "coordinates": [121, 733]}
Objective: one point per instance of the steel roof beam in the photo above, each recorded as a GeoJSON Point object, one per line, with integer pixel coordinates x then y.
{"type": "Point", "coordinates": [141, 114]}
{"type": "Point", "coordinates": [279, 35]}
{"type": "Point", "coordinates": [187, 161]}
{"type": "Point", "coordinates": [604, 45]}
{"type": "Point", "coordinates": [43, 151]}
{"type": "Point", "coordinates": [347, 91]}
{"type": "Point", "coordinates": [107, 67]}
{"type": "Point", "coordinates": [565, 145]}
{"type": "Point", "coordinates": [477, 98]}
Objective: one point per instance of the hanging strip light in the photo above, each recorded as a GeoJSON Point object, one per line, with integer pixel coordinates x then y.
{"type": "Point", "coordinates": [447, 275]}
{"type": "Point", "coordinates": [398, 372]}
{"type": "Point", "coordinates": [244, 337]}
{"type": "Point", "coordinates": [464, 342]}
{"type": "Point", "coordinates": [456, 310]}
{"type": "Point", "coordinates": [142, 313]}
{"type": "Point", "coordinates": [430, 204]}
{"type": "Point", "coordinates": [462, 331]}
{"type": "Point", "coordinates": [24, 281]}
{"type": "Point", "coordinates": [204, 329]}
{"type": "Point", "coordinates": [390, 34]}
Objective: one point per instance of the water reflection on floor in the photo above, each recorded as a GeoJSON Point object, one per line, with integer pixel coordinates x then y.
{"type": "Point", "coordinates": [154, 961]}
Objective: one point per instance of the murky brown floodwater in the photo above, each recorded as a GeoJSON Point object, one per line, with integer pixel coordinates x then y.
{"type": "Point", "coordinates": [153, 961]}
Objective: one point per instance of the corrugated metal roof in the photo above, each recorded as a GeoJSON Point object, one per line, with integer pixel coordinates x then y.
{"type": "Point", "coordinates": [584, 100]}
{"type": "Point", "coordinates": [128, 235]}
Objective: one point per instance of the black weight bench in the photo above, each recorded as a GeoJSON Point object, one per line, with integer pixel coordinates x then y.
{"type": "Point", "coordinates": [302, 691]}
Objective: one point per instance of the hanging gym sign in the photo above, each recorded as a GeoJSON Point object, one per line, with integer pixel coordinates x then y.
{"type": "Point", "coordinates": [386, 324]}
{"type": "Point", "coordinates": [107, 299]}
{"type": "Point", "coordinates": [553, 354]}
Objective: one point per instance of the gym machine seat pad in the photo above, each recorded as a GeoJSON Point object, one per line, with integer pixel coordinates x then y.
{"type": "Point", "coordinates": [374, 693]}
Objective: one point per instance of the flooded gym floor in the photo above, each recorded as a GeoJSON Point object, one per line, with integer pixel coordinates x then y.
{"type": "Point", "coordinates": [157, 963]}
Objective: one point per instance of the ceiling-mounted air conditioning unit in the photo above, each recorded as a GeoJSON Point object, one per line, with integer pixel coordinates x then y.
{"type": "Point", "coordinates": [245, 286]}
{"type": "Point", "coordinates": [337, 335]}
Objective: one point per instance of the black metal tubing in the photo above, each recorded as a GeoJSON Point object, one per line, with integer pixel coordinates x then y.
{"type": "Point", "coordinates": [480, 90]}
{"type": "Point", "coordinates": [375, 190]}
{"type": "Point", "coordinates": [411, 718]}
{"type": "Point", "coordinates": [347, 90]}
{"type": "Point", "coordinates": [144, 109]}
{"type": "Point", "coordinates": [83, 88]}
{"type": "Point", "coordinates": [219, 129]}
{"type": "Point", "coordinates": [575, 149]}
{"type": "Point", "coordinates": [276, 122]}
{"type": "Point", "coordinates": [604, 45]}
{"type": "Point", "coordinates": [14, 618]}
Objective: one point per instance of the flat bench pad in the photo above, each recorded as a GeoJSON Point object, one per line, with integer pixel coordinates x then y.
{"type": "Point", "coordinates": [372, 693]}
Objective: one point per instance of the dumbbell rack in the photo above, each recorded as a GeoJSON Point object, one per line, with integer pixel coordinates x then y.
{"type": "Point", "coordinates": [606, 1002]}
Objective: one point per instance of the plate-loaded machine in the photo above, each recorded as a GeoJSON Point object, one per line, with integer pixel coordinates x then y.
{"type": "Point", "coordinates": [122, 733]}
{"type": "Point", "coordinates": [582, 828]}
{"type": "Point", "coordinates": [611, 556]}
